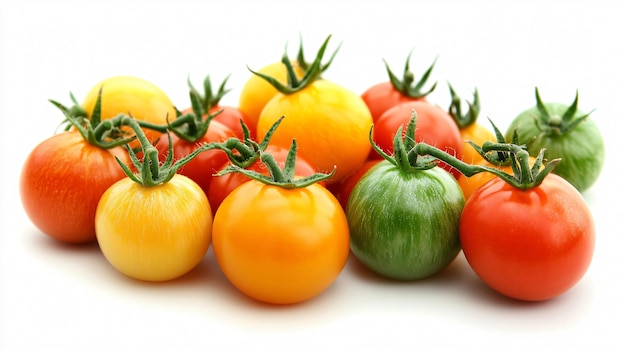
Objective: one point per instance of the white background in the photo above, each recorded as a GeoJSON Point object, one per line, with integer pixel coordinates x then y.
{"type": "Point", "coordinates": [59, 297]}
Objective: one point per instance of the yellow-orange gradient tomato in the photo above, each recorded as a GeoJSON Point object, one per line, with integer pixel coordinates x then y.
{"type": "Point", "coordinates": [330, 123]}
{"type": "Point", "coordinates": [281, 246]}
{"type": "Point", "coordinates": [256, 92]}
{"type": "Point", "coordinates": [154, 233]}
{"type": "Point", "coordinates": [135, 96]}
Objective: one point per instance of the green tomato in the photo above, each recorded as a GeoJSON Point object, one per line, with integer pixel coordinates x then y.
{"type": "Point", "coordinates": [566, 133]}
{"type": "Point", "coordinates": [404, 224]}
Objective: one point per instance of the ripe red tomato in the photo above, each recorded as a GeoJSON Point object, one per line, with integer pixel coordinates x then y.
{"type": "Point", "coordinates": [223, 185]}
{"type": "Point", "coordinates": [434, 127]}
{"type": "Point", "coordinates": [202, 167]}
{"type": "Point", "coordinates": [62, 181]}
{"type": "Point", "coordinates": [531, 244]}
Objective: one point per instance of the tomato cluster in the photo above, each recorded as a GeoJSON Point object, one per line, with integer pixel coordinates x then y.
{"type": "Point", "coordinates": [304, 171]}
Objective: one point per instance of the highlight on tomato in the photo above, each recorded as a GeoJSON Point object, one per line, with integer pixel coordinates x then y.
{"type": "Point", "coordinates": [404, 213]}
{"type": "Point", "coordinates": [468, 125]}
{"type": "Point", "coordinates": [330, 122]}
{"type": "Point", "coordinates": [281, 239]}
{"type": "Point", "coordinates": [527, 235]}
{"type": "Point", "coordinates": [141, 99]}
{"type": "Point", "coordinates": [382, 96]}
{"type": "Point", "coordinates": [560, 129]}
{"type": "Point", "coordinates": [155, 224]}
{"type": "Point", "coordinates": [188, 132]}
{"type": "Point", "coordinates": [64, 176]}
{"type": "Point", "coordinates": [434, 127]}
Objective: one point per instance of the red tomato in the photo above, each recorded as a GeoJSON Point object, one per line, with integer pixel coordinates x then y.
{"type": "Point", "coordinates": [206, 163]}
{"type": "Point", "coordinates": [62, 181]}
{"type": "Point", "coordinates": [223, 185]}
{"type": "Point", "coordinates": [531, 244]}
{"type": "Point", "coordinates": [434, 127]}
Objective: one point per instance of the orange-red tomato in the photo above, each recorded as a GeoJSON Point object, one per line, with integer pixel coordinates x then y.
{"type": "Point", "coordinates": [531, 244]}
{"type": "Point", "coordinates": [62, 181]}
{"type": "Point", "coordinates": [279, 245]}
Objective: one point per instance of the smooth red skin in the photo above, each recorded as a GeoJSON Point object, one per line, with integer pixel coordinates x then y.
{"type": "Point", "coordinates": [529, 245]}
{"type": "Point", "coordinates": [223, 185]}
{"type": "Point", "coordinates": [202, 167]}
{"type": "Point", "coordinates": [62, 181]}
{"type": "Point", "coordinates": [434, 126]}
{"type": "Point", "coordinates": [343, 190]}
{"type": "Point", "coordinates": [383, 96]}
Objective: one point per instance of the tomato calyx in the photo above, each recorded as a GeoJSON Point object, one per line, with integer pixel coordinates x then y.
{"type": "Point", "coordinates": [304, 64]}
{"type": "Point", "coordinates": [405, 85]}
{"type": "Point", "coordinates": [463, 120]}
{"type": "Point", "coordinates": [208, 97]}
{"type": "Point", "coordinates": [193, 125]}
{"type": "Point", "coordinates": [311, 72]}
{"type": "Point", "coordinates": [404, 152]}
{"type": "Point", "coordinates": [284, 178]}
{"type": "Point", "coordinates": [554, 124]}
{"type": "Point", "coordinates": [105, 134]}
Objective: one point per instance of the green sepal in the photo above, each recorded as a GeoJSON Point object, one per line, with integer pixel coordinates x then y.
{"type": "Point", "coordinates": [405, 85]}
{"type": "Point", "coordinates": [557, 124]}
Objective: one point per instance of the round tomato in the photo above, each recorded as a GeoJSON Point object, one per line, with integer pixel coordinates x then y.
{"type": "Point", "coordinates": [382, 96]}
{"type": "Point", "coordinates": [531, 244]}
{"type": "Point", "coordinates": [343, 190]}
{"type": "Point", "coordinates": [202, 167]}
{"type": "Point", "coordinates": [137, 97]}
{"type": "Point", "coordinates": [560, 129]}
{"type": "Point", "coordinates": [434, 127]}
{"type": "Point", "coordinates": [280, 245]}
{"type": "Point", "coordinates": [62, 181]}
{"type": "Point", "coordinates": [154, 233]}
{"type": "Point", "coordinates": [224, 184]}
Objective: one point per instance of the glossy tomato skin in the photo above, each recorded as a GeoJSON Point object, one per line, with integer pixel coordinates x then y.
{"type": "Point", "coordinates": [281, 246]}
{"type": "Point", "coordinates": [529, 245]}
{"type": "Point", "coordinates": [383, 96]}
{"type": "Point", "coordinates": [62, 181]}
{"type": "Point", "coordinates": [223, 185]}
{"type": "Point", "coordinates": [154, 233]}
{"type": "Point", "coordinates": [434, 126]}
{"type": "Point", "coordinates": [581, 149]}
{"type": "Point", "coordinates": [405, 225]}
{"type": "Point", "coordinates": [135, 96]}
{"type": "Point", "coordinates": [201, 168]}
{"type": "Point", "coordinates": [330, 123]}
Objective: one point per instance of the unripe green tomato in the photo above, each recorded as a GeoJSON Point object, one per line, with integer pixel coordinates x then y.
{"type": "Point", "coordinates": [403, 224]}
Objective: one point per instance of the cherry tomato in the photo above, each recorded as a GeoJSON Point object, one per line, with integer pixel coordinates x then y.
{"type": "Point", "coordinates": [134, 96]}
{"type": "Point", "coordinates": [62, 181]}
{"type": "Point", "coordinates": [154, 233]}
{"type": "Point", "coordinates": [280, 245]}
{"type": "Point", "coordinates": [223, 185]}
{"type": "Point", "coordinates": [531, 244]}
{"type": "Point", "coordinates": [434, 127]}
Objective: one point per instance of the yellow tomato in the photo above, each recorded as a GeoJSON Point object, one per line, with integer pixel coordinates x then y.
{"type": "Point", "coordinates": [256, 92]}
{"type": "Point", "coordinates": [131, 95]}
{"type": "Point", "coordinates": [279, 245]}
{"type": "Point", "coordinates": [154, 233]}
{"type": "Point", "coordinates": [479, 134]}
{"type": "Point", "coordinates": [330, 123]}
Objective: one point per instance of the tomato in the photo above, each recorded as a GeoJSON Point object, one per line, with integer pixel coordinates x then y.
{"type": "Point", "coordinates": [560, 129]}
{"type": "Point", "coordinates": [223, 185]}
{"type": "Point", "coordinates": [134, 96]}
{"type": "Point", "coordinates": [532, 244]}
{"type": "Point", "coordinates": [61, 182]}
{"type": "Point", "coordinates": [202, 167]}
{"type": "Point", "coordinates": [434, 127]}
{"type": "Point", "coordinates": [382, 96]}
{"type": "Point", "coordinates": [403, 214]}
{"type": "Point", "coordinates": [154, 233]}
{"type": "Point", "coordinates": [256, 92]}
{"type": "Point", "coordinates": [280, 245]}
